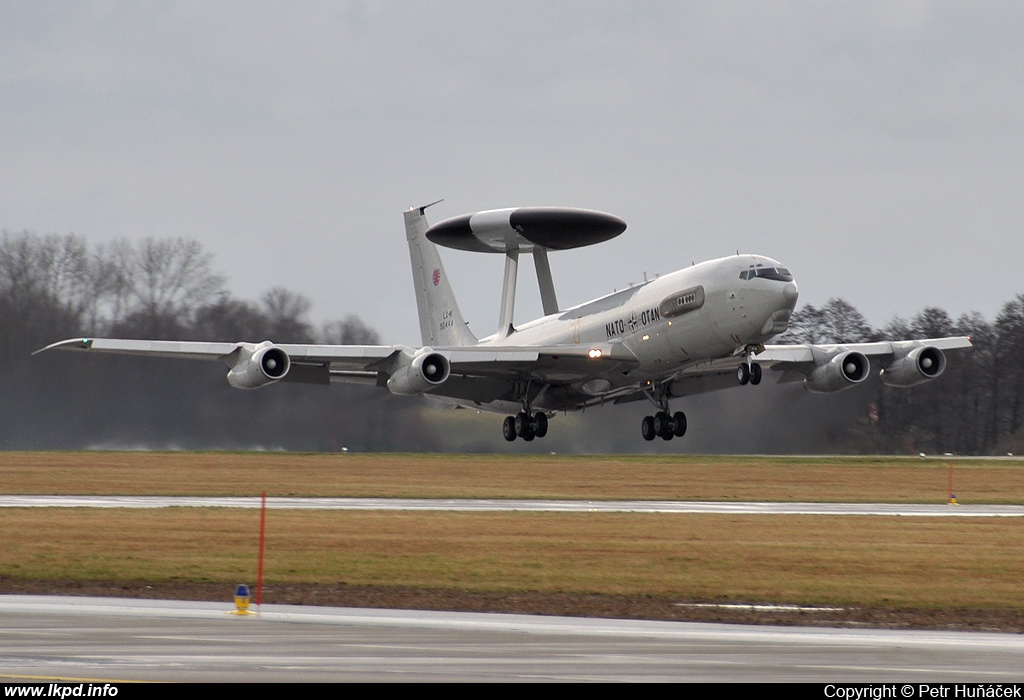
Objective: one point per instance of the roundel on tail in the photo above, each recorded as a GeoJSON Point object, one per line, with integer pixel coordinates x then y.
{"type": "Point", "coordinates": [437, 277]}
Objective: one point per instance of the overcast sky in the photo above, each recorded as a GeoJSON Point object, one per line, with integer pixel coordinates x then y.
{"type": "Point", "coordinates": [877, 149]}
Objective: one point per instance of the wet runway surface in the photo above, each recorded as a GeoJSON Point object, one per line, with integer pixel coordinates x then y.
{"type": "Point", "coordinates": [483, 505]}
{"type": "Point", "coordinates": [99, 639]}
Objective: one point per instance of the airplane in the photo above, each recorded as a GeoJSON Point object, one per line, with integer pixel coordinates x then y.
{"type": "Point", "coordinates": [699, 329]}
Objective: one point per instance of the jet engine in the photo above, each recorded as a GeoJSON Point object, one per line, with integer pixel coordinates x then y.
{"type": "Point", "coordinates": [258, 366]}
{"type": "Point", "coordinates": [841, 372]}
{"type": "Point", "coordinates": [426, 370]}
{"type": "Point", "coordinates": [920, 365]}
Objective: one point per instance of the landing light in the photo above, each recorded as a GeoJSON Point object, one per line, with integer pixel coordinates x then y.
{"type": "Point", "coordinates": [595, 353]}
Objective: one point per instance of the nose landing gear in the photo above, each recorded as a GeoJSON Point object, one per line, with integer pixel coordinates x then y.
{"type": "Point", "coordinates": [749, 373]}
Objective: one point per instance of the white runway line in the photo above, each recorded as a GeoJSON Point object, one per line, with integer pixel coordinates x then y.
{"type": "Point", "coordinates": [512, 505]}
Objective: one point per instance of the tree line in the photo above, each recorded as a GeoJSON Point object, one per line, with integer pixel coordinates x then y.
{"type": "Point", "coordinates": [54, 287]}
{"type": "Point", "coordinates": [975, 407]}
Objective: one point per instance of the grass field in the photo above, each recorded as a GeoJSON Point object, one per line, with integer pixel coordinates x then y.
{"type": "Point", "coordinates": [932, 563]}
{"type": "Point", "coordinates": [814, 479]}
{"type": "Point", "coordinates": [928, 562]}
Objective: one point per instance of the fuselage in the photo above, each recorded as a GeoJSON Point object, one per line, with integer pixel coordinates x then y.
{"type": "Point", "coordinates": [710, 310]}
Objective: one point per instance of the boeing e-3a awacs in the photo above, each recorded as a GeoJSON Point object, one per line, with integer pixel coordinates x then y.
{"type": "Point", "coordinates": [702, 328]}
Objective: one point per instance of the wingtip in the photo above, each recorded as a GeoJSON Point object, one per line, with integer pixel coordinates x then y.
{"type": "Point", "coordinates": [69, 344]}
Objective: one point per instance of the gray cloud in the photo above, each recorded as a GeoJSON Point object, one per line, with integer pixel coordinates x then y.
{"type": "Point", "coordinates": [873, 147]}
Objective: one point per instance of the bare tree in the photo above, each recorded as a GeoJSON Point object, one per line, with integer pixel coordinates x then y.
{"type": "Point", "coordinates": [805, 326]}
{"type": "Point", "coordinates": [1008, 358]}
{"type": "Point", "coordinates": [163, 282]}
{"type": "Point", "coordinates": [931, 322]}
{"type": "Point", "coordinates": [229, 319]}
{"type": "Point", "coordinates": [844, 324]}
{"type": "Point", "coordinates": [47, 284]}
{"type": "Point", "coordinates": [836, 322]}
{"type": "Point", "coordinates": [350, 331]}
{"type": "Point", "coordinates": [286, 316]}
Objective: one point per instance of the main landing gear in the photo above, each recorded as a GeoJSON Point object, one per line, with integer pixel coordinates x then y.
{"type": "Point", "coordinates": [662, 424]}
{"type": "Point", "coordinates": [525, 426]}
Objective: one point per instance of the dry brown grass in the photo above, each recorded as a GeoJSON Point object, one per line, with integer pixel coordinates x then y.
{"type": "Point", "coordinates": [880, 561]}
{"type": "Point", "coordinates": [820, 479]}
{"type": "Point", "coordinates": [876, 561]}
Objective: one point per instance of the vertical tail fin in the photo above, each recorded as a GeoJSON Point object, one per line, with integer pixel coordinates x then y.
{"type": "Point", "coordinates": [441, 322]}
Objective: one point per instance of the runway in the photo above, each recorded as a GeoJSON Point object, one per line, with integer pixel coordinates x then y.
{"type": "Point", "coordinates": [109, 640]}
{"type": "Point", "coordinates": [483, 505]}
{"type": "Point", "coordinates": [106, 640]}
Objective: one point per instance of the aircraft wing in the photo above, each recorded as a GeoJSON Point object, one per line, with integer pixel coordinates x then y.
{"type": "Point", "coordinates": [776, 355]}
{"type": "Point", "coordinates": [308, 363]}
{"type": "Point", "coordinates": [486, 373]}
{"type": "Point", "coordinates": [479, 373]}
{"type": "Point", "coordinates": [903, 363]}
{"type": "Point", "coordinates": [482, 358]}
{"type": "Point", "coordinates": [353, 356]}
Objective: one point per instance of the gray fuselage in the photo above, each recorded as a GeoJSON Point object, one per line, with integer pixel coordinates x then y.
{"type": "Point", "coordinates": [711, 310]}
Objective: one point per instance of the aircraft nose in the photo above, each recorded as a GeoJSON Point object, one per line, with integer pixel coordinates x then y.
{"type": "Point", "coordinates": [790, 292]}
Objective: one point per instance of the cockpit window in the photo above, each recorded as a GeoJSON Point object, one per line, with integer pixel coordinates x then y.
{"type": "Point", "coordinates": [779, 274]}
{"type": "Point", "coordinates": [775, 273]}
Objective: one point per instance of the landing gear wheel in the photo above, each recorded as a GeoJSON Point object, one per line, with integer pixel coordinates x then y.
{"type": "Point", "coordinates": [743, 374]}
{"type": "Point", "coordinates": [647, 428]}
{"type": "Point", "coordinates": [540, 424]}
{"type": "Point", "coordinates": [755, 373]}
{"type": "Point", "coordinates": [663, 425]}
{"type": "Point", "coordinates": [679, 424]}
{"type": "Point", "coordinates": [508, 428]}
{"type": "Point", "coordinates": [522, 424]}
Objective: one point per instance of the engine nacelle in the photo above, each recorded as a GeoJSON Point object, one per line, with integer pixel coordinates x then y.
{"type": "Point", "coordinates": [920, 365]}
{"type": "Point", "coordinates": [427, 370]}
{"type": "Point", "coordinates": [841, 372]}
{"type": "Point", "coordinates": [258, 366]}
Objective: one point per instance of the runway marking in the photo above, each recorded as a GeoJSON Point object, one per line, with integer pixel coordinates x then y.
{"type": "Point", "coordinates": [514, 505]}
{"type": "Point", "coordinates": [763, 608]}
